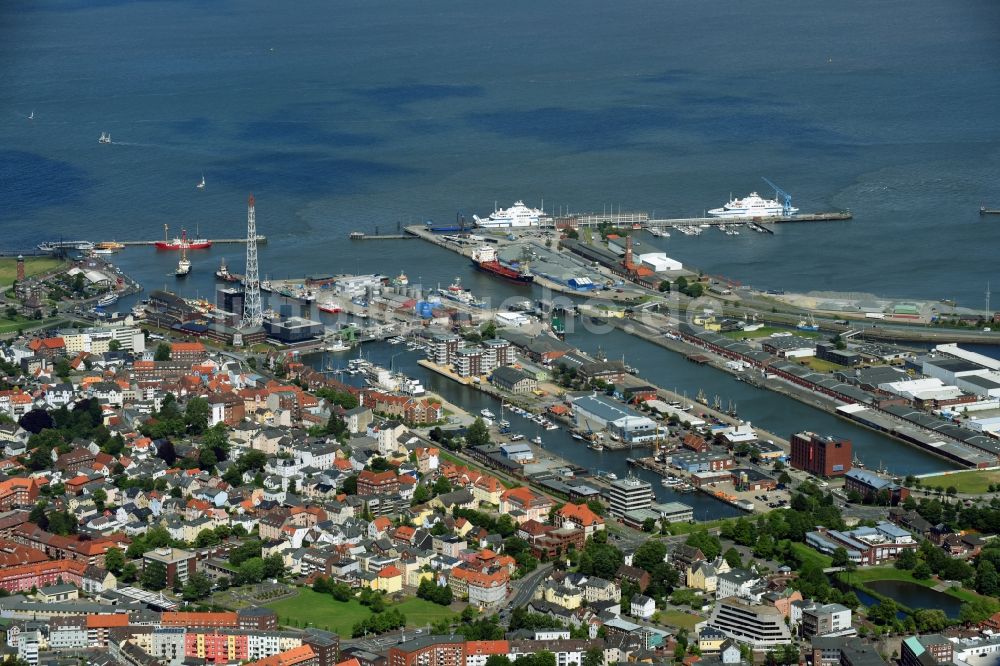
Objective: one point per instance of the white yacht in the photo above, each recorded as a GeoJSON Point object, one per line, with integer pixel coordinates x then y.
{"type": "Point", "coordinates": [517, 215]}
{"type": "Point", "coordinates": [105, 137]}
{"type": "Point", "coordinates": [752, 205]}
{"type": "Point", "coordinates": [486, 413]}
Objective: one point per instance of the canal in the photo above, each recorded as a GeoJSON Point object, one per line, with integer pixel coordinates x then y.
{"type": "Point", "coordinates": [557, 442]}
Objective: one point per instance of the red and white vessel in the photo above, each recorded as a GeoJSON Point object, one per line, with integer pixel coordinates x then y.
{"type": "Point", "coordinates": [182, 243]}
{"type": "Point", "coordinates": [485, 259]}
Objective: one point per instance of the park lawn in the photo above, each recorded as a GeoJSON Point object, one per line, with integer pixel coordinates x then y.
{"type": "Point", "coordinates": [687, 528]}
{"type": "Point", "coordinates": [807, 554]}
{"type": "Point", "coordinates": [420, 612]}
{"type": "Point", "coordinates": [32, 266]}
{"type": "Point", "coordinates": [972, 482]}
{"type": "Point", "coordinates": [768, 331]}
{"type": "Point", "coordinates": [323, 611]}
{"type": "Point", "coordinates": [19, 322]}
{"type": "Point", "coordinates": [680, 619]}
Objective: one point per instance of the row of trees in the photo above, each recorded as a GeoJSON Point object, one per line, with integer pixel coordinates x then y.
{"type": "Point", "coordinates": [379, 623]}
{"type": "Point", "coordinates": [431, 591]}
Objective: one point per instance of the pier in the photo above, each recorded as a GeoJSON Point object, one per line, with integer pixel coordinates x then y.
{"type": "Point", "coordinates": [213, 241]}
{"type": "Point", "coordinates": [833, 216]}
{"type": "Point", "coordinates": [360, 235]}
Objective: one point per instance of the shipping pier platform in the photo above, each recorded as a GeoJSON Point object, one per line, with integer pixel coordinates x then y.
{"type": "Point", "coordinates": [833, 216]}
{"type": "Point", "coordinates": [213, 241]}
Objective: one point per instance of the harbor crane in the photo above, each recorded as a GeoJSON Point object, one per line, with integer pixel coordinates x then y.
{"type": "Point", "coordinates": [784, 197]}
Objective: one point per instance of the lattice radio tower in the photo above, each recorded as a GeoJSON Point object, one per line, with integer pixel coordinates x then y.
{"type": "Point", "coordinates": [253, 314]}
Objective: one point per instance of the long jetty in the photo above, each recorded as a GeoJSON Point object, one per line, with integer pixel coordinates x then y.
{"type": "Point", "coordinates": [213, 241]}
{"type": "Point", "coordinates": [834, 216]}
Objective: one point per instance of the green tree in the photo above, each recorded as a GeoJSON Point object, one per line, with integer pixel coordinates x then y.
{"type": "Point", "coordinates": [733, 559]}
{"type": "Point", "coordinates": [114, 560]}
{"type": "Point", "coordinates": [196, 415]}
{"type": "Point", "coordinates": [162, 352]}
{"type": "Point", "coordinates": [251, 571]}
{"type": "Point", "coordinates": [840, 557]}
{"type": "Point", "coordinates": [922, 571]}
{"type": "Point", "coordinates": [477, 434]}
{"type": "Point", "coordinates": [649, 555]}
{"type": "Point", "coordinates": [154, 576]}
{"type": "Point", "coordinates": [442, 485]}
{"type": "Point", "coordinates": [197, 587]}
{"type": "Point", "coordinates": [907, 560]}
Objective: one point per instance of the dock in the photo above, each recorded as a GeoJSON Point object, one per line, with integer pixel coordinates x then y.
{"type": "Point", "coordinates": [213, 241]}
{"type": "Point", "coordinates": [832, 216]}
{"type": "Point", "coordinates": [360, 236]}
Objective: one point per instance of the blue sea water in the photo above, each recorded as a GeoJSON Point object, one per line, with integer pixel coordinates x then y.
{"type": "Point", "coordinates": [351, 114]}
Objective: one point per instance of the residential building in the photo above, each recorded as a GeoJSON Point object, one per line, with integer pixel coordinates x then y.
{"type": "Point", "coordinates": [926, 650]}
{"type": "Point", "coordinates": [430, 650]}
{"type": "Point", "coordinates": [178, 563]}
{"type": "Point", "coordinates": [826, 620]}
{"type": "Point", "coordinates": [629, 494]}
{"type": "Point", "coordinates": [761, 627]}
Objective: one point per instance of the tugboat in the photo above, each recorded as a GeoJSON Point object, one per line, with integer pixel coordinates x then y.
{"type": "Point", "coordinates": [184, 265]}
{"type": "Point", "coordinates": [224, 274]}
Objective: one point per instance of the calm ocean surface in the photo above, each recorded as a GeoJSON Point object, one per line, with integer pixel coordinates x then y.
{"type": "Point", "coordinates": [350, 114]}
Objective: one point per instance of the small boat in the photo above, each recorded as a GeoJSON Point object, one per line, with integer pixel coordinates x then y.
{"type": "Point", "coordinates": [577, 436]}
{"type": "Point", "coordinates": [503, 424]}
{"type": "Point", "coordinates": [486, 413]}
{"type": "Point", "coordinates": [201, 185]}
{"type": "Point", "coordinates": [516, 437]}
{"type": "Point", "coordinates": [330, 309]}
{"type": "Point", "coordinates": [536, 440]}
{"type": "Point", "coordinates": [184, 265]}
{"type": "Point", "coordinates": [109, 245]}
{"type": "Point", "coordinates": [107, 299]}
{"type": "Point", "coordinates": [551, 426]}
{"type": "Point", "coordinates": [338, 346]}
{"type": "Point", "coordinates": [105, 137]}
{"type": "Point", "coordinates": [611, 476]}
{"type": "Point", "coordinates": [32, 115]}
{"type": "Point", "coordinates": [103, 251]}
{"type": "Point", "coordinates": [596, 446]}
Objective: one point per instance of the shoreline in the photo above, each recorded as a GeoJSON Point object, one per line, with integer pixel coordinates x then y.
{"type": "Point", "coordinates": [806, 397]}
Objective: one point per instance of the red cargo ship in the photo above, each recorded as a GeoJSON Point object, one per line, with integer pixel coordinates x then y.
{"type": "Point", "coordinates": [485, 259]}
{"type": "Point", "coordinates": [183, 242]}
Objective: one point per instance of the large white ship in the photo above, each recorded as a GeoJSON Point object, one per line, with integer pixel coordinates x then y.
{"type": "Point", "coordinates": [517, 215]}
{"type": "Point", "coordinates": [753, 205]}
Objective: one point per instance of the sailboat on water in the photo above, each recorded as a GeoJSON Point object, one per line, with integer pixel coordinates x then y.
{"type": "Point", "coordinates": [105, 137]}
{"type": "Point", "coordinates": [32, 115]}
{"type": "Point", "coordinates": [201, 185]}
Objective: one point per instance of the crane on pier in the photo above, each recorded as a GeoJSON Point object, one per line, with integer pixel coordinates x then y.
{"type": "Point", "coordinates": [784, 197]}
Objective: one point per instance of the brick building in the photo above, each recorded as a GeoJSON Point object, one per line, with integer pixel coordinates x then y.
{"type": "Point", "coordinates": [821, 456]}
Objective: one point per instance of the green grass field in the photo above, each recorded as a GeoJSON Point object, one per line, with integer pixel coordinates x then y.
{"type": "Point", "coordinates": [768, 331]}
{"type": "Point", "coordinates": [819, 365]}
{"type": "Point", "coordinates": [679, 619]}
{"type": "Point", "coordinates": [807, 554]}
{"type": "Point", "coordinates": [325, 612]}
{"type": "Point", "coordinates": [971, 482]}
{"type": "Point", "coordinates": [32, 266]}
